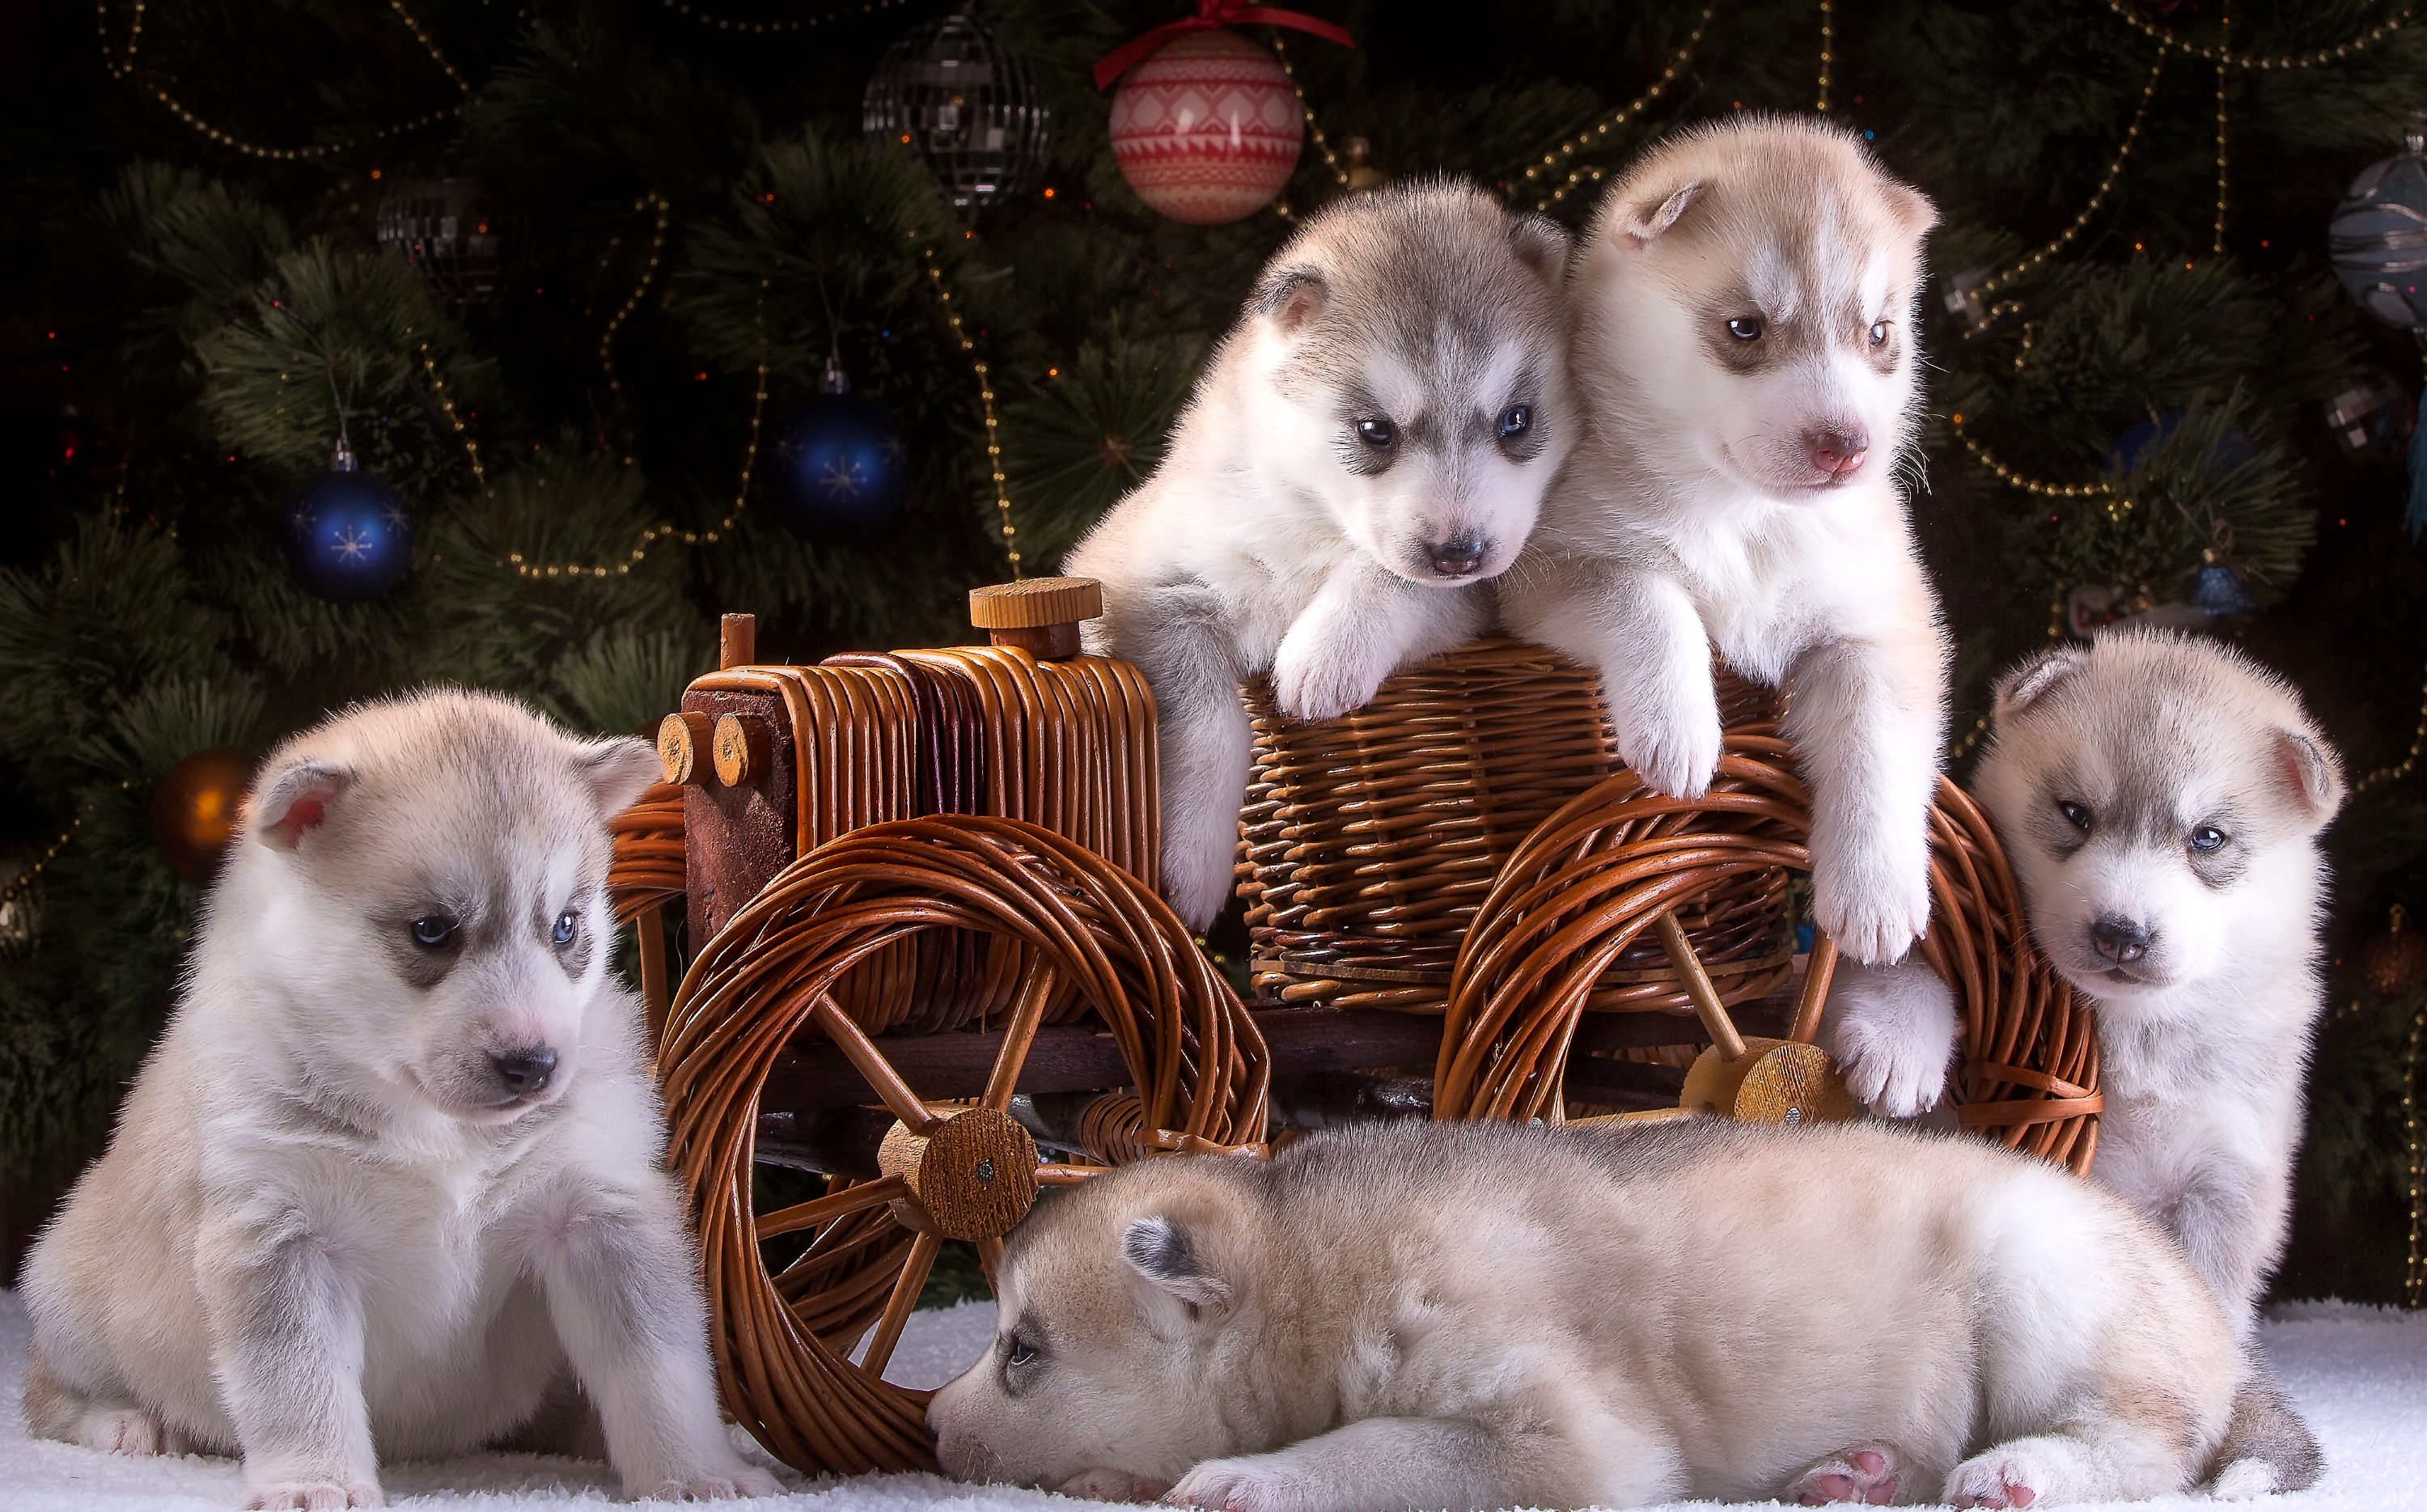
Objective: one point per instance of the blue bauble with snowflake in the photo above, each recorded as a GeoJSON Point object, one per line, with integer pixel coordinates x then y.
{"type": "Point", "coordinates": [837, 468]}
{"type": "Point", "coordinates": [345, 535]}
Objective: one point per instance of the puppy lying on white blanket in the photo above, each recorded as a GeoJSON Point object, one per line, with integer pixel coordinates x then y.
{"type": "Point", "coordinates": [1370, 443]}
{"type": "Point", "coordinates": [1482, 1316]}
{"type": "Point", "coordinates": [393, 1173]}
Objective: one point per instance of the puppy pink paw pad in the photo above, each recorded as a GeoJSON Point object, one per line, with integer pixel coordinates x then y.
{"type": "Point", "coordinates": [313, 1496]}
{"type": "Point", "coordinates": [125, 1431]}
{"type": "Point", "coordinates": [1867, 1476]}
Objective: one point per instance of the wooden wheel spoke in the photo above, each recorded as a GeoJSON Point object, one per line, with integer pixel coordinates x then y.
{"type": "Point", "coordinates": [870, 1063]}
{"type": "Point", "coordinates": [827, 1209]}
{"type": "Point", "coordinates": [1815, 995]}
{"type": "Point", "coordinates": [1714, 1018]}
{"type": "Point", "coordinates": [898, 1306]}
{"type": "Point", "coordinates": [1061, 1172]}
{"type": "Point", "coordinates": [1025, 1016]}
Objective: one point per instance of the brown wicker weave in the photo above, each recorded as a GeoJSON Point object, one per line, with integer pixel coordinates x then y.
{"type": "Point", "coordinates": [1196, 1062]}
{"type": "Point", "coordinates": [1597, 876]}
{"type": "Point", "coordinates": [1370, 840]}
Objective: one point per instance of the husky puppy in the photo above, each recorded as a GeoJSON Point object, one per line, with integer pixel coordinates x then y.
{"type": "Point", "coordinates": [1469, 1315]}
{"type": "Point", "coordinates": [2160, 798]}
{"type": "Point", "coordinates": [1371, 441]}
{"type": "Point", "coordinates": [393, 1174]}
{"type": "Point", "coordinates": [1744, 353]}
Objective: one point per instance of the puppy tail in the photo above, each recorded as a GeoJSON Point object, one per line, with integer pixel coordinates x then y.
{"type": "Point", "coordinates": [2267, 1448]}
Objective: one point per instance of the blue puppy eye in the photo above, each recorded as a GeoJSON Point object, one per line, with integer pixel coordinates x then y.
{"type": "Point", "coordinates": [432, 930]}
{"type": "Point", "coordinates": [562, 934]}
{"type": "Point", "coordinates": [1516, 421]}
{"type": "Point", "coordinates": [2207, 837]}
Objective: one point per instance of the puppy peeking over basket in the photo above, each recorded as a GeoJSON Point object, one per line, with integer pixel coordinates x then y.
{"type": "Point", "coordinates": [393, 1175]}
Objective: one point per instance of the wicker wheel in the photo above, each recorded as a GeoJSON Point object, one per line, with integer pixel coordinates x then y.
{"type": "Point", "coordinates": [782, 1342]}
{"type": "Point", "coordinates": [1618, 859]}
{"type": "Point", "coordinates": [647, 869]}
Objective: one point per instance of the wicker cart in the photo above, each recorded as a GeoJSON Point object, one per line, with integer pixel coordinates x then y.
{"type": "Point", "coordinates": [929, 964]}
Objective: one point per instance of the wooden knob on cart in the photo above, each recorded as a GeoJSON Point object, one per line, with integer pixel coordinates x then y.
{"type": "Point", "coordinates": [971, 1176]}
{"type": "Point", "coordinates": [741, 749]}
{"type": "Point", "coordinates": [1040, 615]}
{"type": "Point", "coordinates": [682, 739]}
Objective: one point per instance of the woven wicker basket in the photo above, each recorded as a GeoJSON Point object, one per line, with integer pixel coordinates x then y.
{"type": "Point", "coordinates": [1369, 841]}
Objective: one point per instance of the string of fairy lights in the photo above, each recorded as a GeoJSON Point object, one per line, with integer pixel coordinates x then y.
{"type": "Point", "coordinates": [768, 28]}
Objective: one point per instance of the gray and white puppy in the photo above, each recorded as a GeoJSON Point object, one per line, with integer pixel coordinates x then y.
{"type": "Point", "coordinates": [1744, 350]}
{"type": "Point", "coordinates": [393, 1175]}
{"type": "Point", "coordinates": [1369, 442]}
{"type": "Point", "coordinates": [2159, 797]}
{"type": "Point", "coordinates": [1478, 1316]}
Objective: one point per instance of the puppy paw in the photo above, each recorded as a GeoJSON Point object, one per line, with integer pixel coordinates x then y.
{"type": "Point", "coordinates": [1310, 687]}
{"type": "Point", "coordinates": [1874, 904]}
{"type": "Point", "coordinates": [124, 1431]}
{"type": "Point", "coordinates": [1105, 1485]}
{"type": "Point", "coordinates": [1237, 1485]}
{"type": "Point", "coordinates": [2246, 1480]}
{"type": "Point", "coordinates": [1894, 1036]}
{"type": "Point", "coordinates": [1676, 758]}
{"type": "Point", "coordinates": [711, 1486]}
{"type": "Point", "coordinates": [1869, 1476]}
{"type": "Point", "coordinates": [2010, 1475]}
{"type": "Point", "coordinates": [318, 1496]}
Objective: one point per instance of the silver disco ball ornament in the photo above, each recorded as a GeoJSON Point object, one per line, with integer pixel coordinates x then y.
{"type": "Point", "coordinates": [968, 105]}
{"type": "Point", "coordinates": [2378, 238]}
{"type": "Point", "coordinates": [451, 231]}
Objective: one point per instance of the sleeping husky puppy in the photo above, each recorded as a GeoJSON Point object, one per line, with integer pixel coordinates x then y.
{"type": "Point", "coordinates": [1371, 441]}
{"type": "Point", "coordinates": [1476, 1316]}
{"type": "Point", "coordinates": [1744, 351]}
{"type": "Point", "coordinates": [2160, 798]}
{"type": "Point", "coordinates": [392, 1175]}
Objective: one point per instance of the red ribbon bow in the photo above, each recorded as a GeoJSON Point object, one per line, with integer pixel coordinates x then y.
{"type": "Point", "coordinates": [1210, 15]}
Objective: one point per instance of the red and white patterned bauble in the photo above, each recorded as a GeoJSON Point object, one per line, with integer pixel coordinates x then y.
{"type": "Point", "coordinates": [1208, 129]}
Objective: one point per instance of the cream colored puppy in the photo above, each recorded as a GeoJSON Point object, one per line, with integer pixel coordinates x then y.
{"type": "Point", "coordinates": [393, 1176]}
{"type": "Point", "coordinates": [1483, 1316]}
{"type": "Point", "coordinates": [1369, 444]}
{"type": "Point", "coordinates": [1743, 309]}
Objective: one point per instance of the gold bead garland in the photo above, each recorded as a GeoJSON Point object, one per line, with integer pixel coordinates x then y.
{"type": "Point", "coordinates": [986, 400]}
{"type": "Point", "coordinates": [119, 67]}
{"type": "Point", "coordinates": [463, 436]}
{"type": "Point", "coordinates": [2225, 57]}
{"type": "Point", "coordinates": [1591, 135]}
{"type": "Point", "coordinates": [762, 28]}
{"type": "Point", "coordinates": [1313, 128]}
{"type": "Point", "coordinates": [2029, 485]}
{"type": "Point", "coordinates": [2106, 184]}
{"type": "Point", "coordinates": [1828, 37]}
{"type": "Point", "coordinates": [428, 44]}
{"type": "Point", "coordinates": [2410, 758]}
{"type": "Point", "coordinates": [664, 212]}
{"type": "Point", "coordinates": [524, 568]}
{"type": "Point", "coordinates": [24, 882]}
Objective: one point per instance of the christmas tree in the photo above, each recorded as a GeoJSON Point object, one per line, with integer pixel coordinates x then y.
{"type": "Point", "coordinates": [625, 315]}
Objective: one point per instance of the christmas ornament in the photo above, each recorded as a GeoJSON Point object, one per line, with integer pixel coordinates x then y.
{"type": "Point", "coordinates": [969, 106]}
{"type": "Point", "coordinates": [1206, 126]}
{"type": "Point", "coordinates": [194, 810]}
{"type": "Point", "coordinates": [838, 472]}
{"type": "Point", "coordinates": [2377, 242]}
{"type": "Point", "coordinates": [2221, 591]}
{"type": "Point", "coordinates": [2372, 419]}
{"type": "Point", "coordinates": [346, 537]}
{"type": "Point", "coordinates": [2232, 449]}
{"type": "Point", "coordinates": [1364, 177]}
{"type": "Point", "coordinates": [451, 231]}
{"type": "Point", "coordinates": [2395, 962]}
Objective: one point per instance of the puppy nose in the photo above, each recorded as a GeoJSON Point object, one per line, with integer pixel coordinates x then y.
{"type": "Point", "coordinates": [1457, 557]}
{"type": "Point", "coordinates": [1838, 453]}
{"type": "Point", "coordinates": [2121, 940]}
{"type": "Point", "coordinates": [525, 1071]}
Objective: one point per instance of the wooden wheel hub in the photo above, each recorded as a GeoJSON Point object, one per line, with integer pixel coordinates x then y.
{"type": "Point", "coordinates": [971, 1176]}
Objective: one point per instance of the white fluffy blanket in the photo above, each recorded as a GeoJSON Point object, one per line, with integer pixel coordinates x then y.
{"type": "Point", "coordinates": [2359, 1375]}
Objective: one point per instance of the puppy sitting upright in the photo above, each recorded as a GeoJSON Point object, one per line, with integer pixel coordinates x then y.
{"type": "Point", "coordinates": [392, 1175]}
{"type": "Point", "coordinates": [1370, 440]}
{"type": "Point", "coordinates": [1743, 349]}
{"type": "Point", "coordinates": [2160, 800]}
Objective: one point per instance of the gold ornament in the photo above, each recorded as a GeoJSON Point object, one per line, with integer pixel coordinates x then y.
{"type": "Point", "coordinates": [195, 808]}
{"type": "Point", "coordinates": [2395, 962]}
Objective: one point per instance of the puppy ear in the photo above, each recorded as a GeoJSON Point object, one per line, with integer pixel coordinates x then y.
{"type": "Point", "coordinates": [1640, 226]}
{"type": "Point", "coordinates": [2312, 773]}
{"type": "Point", "coordinates": [1161, 1251]}
{"type": "Point", "coordinates": [618, 770]}
{"type": "Point", "coordinates": [2031, 681]}
{"type": "Point", "coordinates": [1292, 297]}
{"type": "Point", "coordinates": [298, 801]}
{"type": "Point", "coordinates": [1542, 244]}
{"type": "Point", "coordinates": [1911, 209]}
